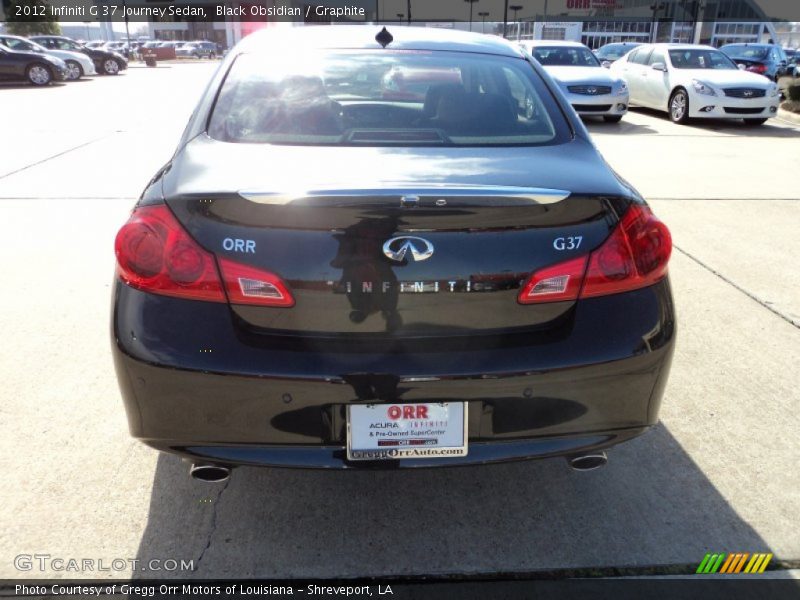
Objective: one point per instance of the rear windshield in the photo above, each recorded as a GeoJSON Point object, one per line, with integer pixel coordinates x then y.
{"type": "Point", "coordinates": [614, 52]}
{"type": "Point", "coordinates": [690, 58]}
{"type": "Point", "coordinates": [754, 52]}
{"type": "Point", "coordinates": [385, 97]}
{"type": "Point", "coordinates": [560, 56]}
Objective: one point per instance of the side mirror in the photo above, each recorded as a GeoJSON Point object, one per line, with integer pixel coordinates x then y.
{"type": "Point", "coordinates": [606, 64]}
{"type": "Point", "coordinates": [659, 66]}
{"type": "Point", "coordinates": [741, 67]}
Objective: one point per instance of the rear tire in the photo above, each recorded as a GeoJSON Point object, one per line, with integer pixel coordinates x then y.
{"type": "Point", "coordinates": [39, 74]}
{"type": "Point", "coordinates": [74, 70]}
{"type": "Point", "coordinates": [679, 107]}
{"type": "Point", "coordinates": [111, 66]}
{"type": "Point", "coordinates": [612, 118]}
{"type": "Point", "coordinates": [754, 122]}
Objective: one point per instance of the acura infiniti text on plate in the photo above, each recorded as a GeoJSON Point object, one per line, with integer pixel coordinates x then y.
{"type": "Point", "coordinates": [330, 273]}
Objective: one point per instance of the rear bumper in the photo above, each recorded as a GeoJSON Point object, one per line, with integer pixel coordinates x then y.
{"type": "Point", "coordinates": [193, 385]}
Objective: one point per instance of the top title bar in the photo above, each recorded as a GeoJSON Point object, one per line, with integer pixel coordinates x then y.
{"type": "Point", "coordinates": [406, 11]}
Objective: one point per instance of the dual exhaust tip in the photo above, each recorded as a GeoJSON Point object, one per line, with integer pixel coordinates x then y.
{"type": "Point", "coordinates": [587, 462]}
{"type": "Point", "coordinates": [211, 473]}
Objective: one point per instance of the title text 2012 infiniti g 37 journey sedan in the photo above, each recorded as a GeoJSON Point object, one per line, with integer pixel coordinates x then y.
{"type": "Point", "coordinates": [321, 277]}
{"type": "Point", "coordinates": [690, 81]}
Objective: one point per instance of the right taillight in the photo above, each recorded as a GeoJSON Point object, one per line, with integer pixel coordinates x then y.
{"type": "Point", "coordinates": [634, 256]}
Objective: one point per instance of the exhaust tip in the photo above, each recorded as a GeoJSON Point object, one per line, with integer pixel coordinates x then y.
{"type": "Point", "coordinates": [588, 462]}
{"type": "Point", "coordinates": [209, 473]}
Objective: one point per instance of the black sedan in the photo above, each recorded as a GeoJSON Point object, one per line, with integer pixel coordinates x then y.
{"type": "Point", "coordinates": [614, 51]}
{"type": "Point", "coordinates": [324, 277]}
{"type": "Point", "coordinates": [38, 69]}
{"type": "Point", "coordinates": [765, 59]}
{"type": "Point", "coordinates": [105, 62]}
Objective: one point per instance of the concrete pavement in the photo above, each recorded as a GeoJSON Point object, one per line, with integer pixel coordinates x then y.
{"type": "Point", "coordinates": [717, 475]}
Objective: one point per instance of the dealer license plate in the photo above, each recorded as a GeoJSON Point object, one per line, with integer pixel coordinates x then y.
{"type": "Point", "coordinates": [404, 431]}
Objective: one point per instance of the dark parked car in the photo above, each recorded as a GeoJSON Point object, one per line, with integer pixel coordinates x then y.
{"type": "Point", "coordinates": [38, 69]}
{"type": "Point", "coordinates": [615, 51]}
{"type": "Point", "coordinates": [765, 59]}
{"type": "Point", "coordinates": [321, 277]}
{"type": "Point", "coordinates": [105, 62]}
{"type": "Point", "coordinates": [197, 50]}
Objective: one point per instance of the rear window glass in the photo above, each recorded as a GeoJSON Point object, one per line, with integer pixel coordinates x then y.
{"type": "Point", "coordinates": [563, 56]}
{"type": "Point", "coordinates": [385, 97]}
{"type": "Point", "coordinates": [614, 52]}
{"type": "Point", "coordinates": [753, 52]}
{"type": "Point", "coordinates": [691, 58]}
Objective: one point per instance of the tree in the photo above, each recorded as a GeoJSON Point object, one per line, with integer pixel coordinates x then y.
{"type": "Point", "coordinates": [30, 17]}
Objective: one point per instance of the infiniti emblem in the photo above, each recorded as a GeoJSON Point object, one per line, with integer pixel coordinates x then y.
{"type": "Point", "coordinates": [397, 248]}
{"type": "Point", "coordinates": [592, 90]}
{"type": "Point", "coordinates": [748, 93]}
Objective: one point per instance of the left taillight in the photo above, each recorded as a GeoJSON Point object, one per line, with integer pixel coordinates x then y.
{"type": "Point", "coordinates": [634, 256]}
{"type": "Point", "coordinates": [155, 254]}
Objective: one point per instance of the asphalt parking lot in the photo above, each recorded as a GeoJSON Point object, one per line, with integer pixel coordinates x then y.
{"type": "Point", "coordinates": [718, 474]}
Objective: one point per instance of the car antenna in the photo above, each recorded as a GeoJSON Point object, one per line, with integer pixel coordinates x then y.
{"type": "Point", "coordinates": [384, 38]}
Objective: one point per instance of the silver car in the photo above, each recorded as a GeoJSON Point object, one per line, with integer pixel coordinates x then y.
{"type": "Point", "coordinates": [590, 88]}
{"type": "Point", "coordinates": [78, 64]}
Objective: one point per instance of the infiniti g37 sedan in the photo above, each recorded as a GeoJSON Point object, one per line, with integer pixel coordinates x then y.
{"type": "Point", "coordinates": [692, 82]}
{"type": "Point", "coordinates": [590, 88]}
{"type": "Point", "coordinates": [325, 277]}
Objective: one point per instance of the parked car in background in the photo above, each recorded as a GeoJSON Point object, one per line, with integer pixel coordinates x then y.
{"type": "Point", "coordinates": [691, 81]}
{"type": "Point", "coordinates": [197, 50]}
{"type": "Point", "coordinates": [590, 89]}
{"type": "Point", "coordinates": [78, 64]}
{"type": "Point", "coordinates": [95, 44]}
{"type": "Point", "coordinates": [768, 60]}
{"type": "Point", "coordinates": [33, 67]}
{"type": "Point", "coordinates": [792, 62]}
{"type": "Point", "coordinates": [459, 280]}
{"type": "Point", "coordinates": [613, 52]}
{"type": "Point", "coordinates": [105, 62]}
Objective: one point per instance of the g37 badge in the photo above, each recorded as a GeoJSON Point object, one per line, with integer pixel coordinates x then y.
{"type": "Point", "coordinates": [568, 243]}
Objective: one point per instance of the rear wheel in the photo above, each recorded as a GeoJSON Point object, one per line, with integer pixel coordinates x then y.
{"type": "Point", "coordinates": [111, 66]}
{"type": "Point", "coordinates": [74, 70]}
{"type": "Point", "coordinates": [679, 107]}
{"type": "Point", "coordinates": [754, 122]}
{"type": "Point", "coordinates": [612, 118]}
{"type": "Point", "coordinates": [38, 74]}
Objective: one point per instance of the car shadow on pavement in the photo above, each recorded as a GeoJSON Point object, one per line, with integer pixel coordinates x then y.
{"type": "Point", "coordinates": [737, 127]}
{"type": "Point", "coordinates": [624, 127]}
{"type": "Point", "coordinates": [651, 506]}
{"type": "Point", "coordinates": [21, 85]}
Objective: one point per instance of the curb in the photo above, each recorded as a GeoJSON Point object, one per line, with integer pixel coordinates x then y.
{"type": "Point", "coordinates": [789, 116]}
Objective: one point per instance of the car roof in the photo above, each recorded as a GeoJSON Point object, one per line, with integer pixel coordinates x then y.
{"type": "Point", "coordinates": [682, 46]}
{"type": "Point", "coordinates": [553, 43]}
{"type": "Point", "coordinates": [363, 36]}
{"type": "Point", "coordinates": [755, 45]}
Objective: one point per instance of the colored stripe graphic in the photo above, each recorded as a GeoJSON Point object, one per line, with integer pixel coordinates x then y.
{"type": "Point", "coordinates": [703, 564]}
{"type": "Point", "coordinates": [727, 564]}
{"type": "Point", "coordinates": [741, 562]}
{"type": "Point", "coordinates": [735, 562]}
{"type": "Point", "coordinates": [765, 563]}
